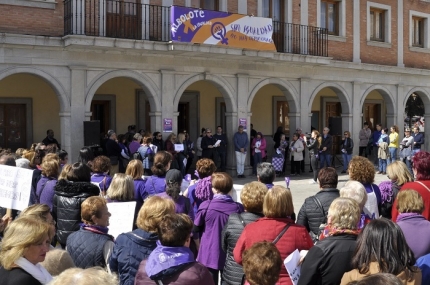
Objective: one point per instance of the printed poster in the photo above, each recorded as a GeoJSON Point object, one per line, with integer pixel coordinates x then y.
{"type": "Point", "coordinates": [192, 25]}
{"type": "Point", "coordinates": [167, 125]}
{"type": "Point", "coordinates": [243, 122]}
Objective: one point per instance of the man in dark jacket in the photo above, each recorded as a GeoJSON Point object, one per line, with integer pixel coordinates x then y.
{"type": "Point", "coordinates": [209, 147]}
{"type": "Point", "coordinates": [314, 210]}
{"type": "Point", "coordinates": [222, 149]}
{"type": "Point", "coordinates": [418, 140]}
{"type": "Point", "coordinates": [113, 151]}
{"type": "Point", "coordinates": [326, 148]}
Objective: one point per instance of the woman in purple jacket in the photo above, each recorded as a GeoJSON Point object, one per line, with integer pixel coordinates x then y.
{"type": "Point", "coordinates": [45, 186]}
{"type": "Point", "coordinates": [212, 216]}
{"type": "Point", "coordinates": [135, 170]}
{"type": "Point", "coordinates": [156, 183]}
{"type": "Point", "coordinates": [414, 225]}
{"type": "Point", "coordinates": [100, 176]}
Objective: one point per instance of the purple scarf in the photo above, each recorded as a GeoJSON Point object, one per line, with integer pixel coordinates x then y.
{"type": "Point", "coordinates": [224, 197]}
{"type": "Point", "coordinates": [95, 228]}
{"type": "Point", "coordinates": [204, 189]}
{"type": "Point", "coordinates": [165, 257]}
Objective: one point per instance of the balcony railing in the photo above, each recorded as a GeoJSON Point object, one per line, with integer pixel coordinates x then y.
{"type": "Point", "coordinates": [120, 19]}
{"type": "Point", "coordinates": [300, 39]}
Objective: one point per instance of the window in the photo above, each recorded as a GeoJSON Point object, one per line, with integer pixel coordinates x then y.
{"type": "Point", "coordinates": [209, 4]}
{"type": "Point", "coordinates": [418, 32]}
{"type": "Point", "coordinates": [377, 25]}
{"type": "Point", "coordinates": [274, 9]}
{"type": "Point", "coordinates": [330, 16]}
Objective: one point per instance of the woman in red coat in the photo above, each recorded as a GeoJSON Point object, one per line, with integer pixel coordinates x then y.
{"type": "Point", "coordinates": [277, 209]}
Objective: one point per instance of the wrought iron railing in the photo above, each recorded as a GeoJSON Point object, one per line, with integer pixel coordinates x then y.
{"type": "Point", "coordinates": [117, 19]}
{"type": "Point", "coordinates": [300, 39]}
{"type": "Point", "coordinates": [127, 20]}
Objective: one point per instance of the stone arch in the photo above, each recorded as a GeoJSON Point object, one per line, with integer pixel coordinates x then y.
{"type": "Point", "coordinates": [424, 95]}
{"type": "Point", "coordinates": [340, 92]}
{"type": "Point", "coordinates": [286, 87]}
{"type": "Point", "coordinates": [221, 84]}
{"type": "Point", "coordinates": [386, 95]}
{"type": "Point", "coordinates": [53, 82]}
{"type": "Point", "coordinates": [147, 84]}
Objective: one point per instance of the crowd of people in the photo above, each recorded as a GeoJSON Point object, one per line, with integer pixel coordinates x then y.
{"type": "Point", "coordinates": [362, 233]}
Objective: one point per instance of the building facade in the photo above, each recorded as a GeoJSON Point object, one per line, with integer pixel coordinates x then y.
{"type": "Point", "coordinates": [62, 63]}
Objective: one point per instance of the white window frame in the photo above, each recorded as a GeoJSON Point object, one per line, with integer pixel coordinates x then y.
{"type": "Point", "coordinates": [387, 24]}
{"type": "Point", "coordinates": [341, 16]}
{"type": "Point", "coordinates": [426, 39]}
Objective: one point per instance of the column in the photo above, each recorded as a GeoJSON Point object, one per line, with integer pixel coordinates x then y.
{"type": "Point", "coordinates": [168, 111]}
{"type": "Point", "coordinates": [400, 38]}
{"type": "Point", "coordinates": [426, 146]}
{"type": "Point", "coordinates": [66, 135]}
{"type": "Point", "coordinates": [356, 32]}
{"type": "Point", "coordinates": [156, 120]}
{"type": "Point", "coordinates": [357, 114]}
{"type": "Point", "coordinates": [242, 113]}
{"type": "Point", "coordinates": [302, 118]}
{"type": "Point", "coordinates": [231, 128]}
{"type": "Point", "coordinates": [398, 103]}
{"type": "Point", "coordinates": [78, 113]}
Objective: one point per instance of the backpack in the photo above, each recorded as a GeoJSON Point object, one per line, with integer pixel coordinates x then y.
{"type": "Point", "coordinates": [148, 154]}
{"type": "Point", "coordinates": [137, 155]}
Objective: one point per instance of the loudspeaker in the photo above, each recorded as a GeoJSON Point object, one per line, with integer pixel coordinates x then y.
{"type": "Point", "coordinates": [335, 126]}
{"type": "Point", "coordinates": [91, 133]}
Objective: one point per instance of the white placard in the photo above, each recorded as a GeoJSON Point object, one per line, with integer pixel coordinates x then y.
{"type": "Point", "coordinates": [15, 187]}
{"type": "Point", "coordinates": [122, 216]}
{"type": "Point", "coordinates": [179, 147]}
{"type": "Point", "coordinates": [218, 142]}
{"type": "Point", "coordinates": [291, 264]}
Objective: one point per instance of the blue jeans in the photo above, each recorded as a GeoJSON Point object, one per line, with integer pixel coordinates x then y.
{"type": "Point", "coordinates": [408, 163]}
{"type": "Point", "coordinates": [325, 159]}
{"type": "Point", "coordinates": [383, 165]}
{"type": "Point", "coordinates": [257, 160]}
{"type": "Point", "coordinates": [346, 160]}
{"type": "Point", "coordinates": [393, 155]}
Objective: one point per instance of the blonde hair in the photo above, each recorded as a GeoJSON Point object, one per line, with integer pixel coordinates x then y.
{"type": "Point", "coordinates": [135, 169]}
{"type": "Point", "coordinates": [344, 213]}
{"type": "Point", "coordinates": [37, 211]}
{"type": "Point", "coordinates": [19, 235]}
{"type": "Point", "coordinates": [89, 276]}
{"type": "Point", "coordinates": [50, 165]}
{"type": "Point", "coordinates": [278, 203]}
{"type": "Point", "coordinates": [64, 171]}
{"type": "Point", "coordinates": [399, 172]}
{"type": "Point", "coordinates": [121, 188]}
{"type": "Point", "coordinates": [92, 206]}
{"type": "Point", "coordinates": [410, 201]}
{"type": "Point", "coordinates": [152, 212]}
{"type": "Point", "coordinates": [356, 191]}
{"type": "Point", "coordinates": [252, 196]}
{"type": "Point", "coordinates": [181, 137]}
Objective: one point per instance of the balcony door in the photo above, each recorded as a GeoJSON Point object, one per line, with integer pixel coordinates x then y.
{"type": "Point", "coordinates": [275, 9]}
{"type": "Point", "coordinates": [123, 19]}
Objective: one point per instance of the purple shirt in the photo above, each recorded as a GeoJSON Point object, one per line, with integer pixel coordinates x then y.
{"type": "Point", "coordinates": [155, 184]}
{"type": "Point", "coordinates": [213, 214]}
{"type": "Point", "coordinates": [133, 147]}
{"type": "Point", "coordinates": [139, 190]}
{"type": "Point", "coordinates": [45, 190]}
{"type": "Point", "coordinates": [99, 177]}
{"type": "Point", "coordinates": [180, 205]}
{"type": "Point", "coordinates": [416, 229]}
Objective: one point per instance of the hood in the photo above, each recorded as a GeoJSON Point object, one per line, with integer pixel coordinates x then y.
{"type": "Point", "coordinates": [72, 189]}
{"type": "Point", "coordinates": [167, 261]}
{"type": "Point", "coordinates": [143, 238]}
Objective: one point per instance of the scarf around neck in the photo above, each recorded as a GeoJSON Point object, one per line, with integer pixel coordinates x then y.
{"type": "Point", "coordinates": [37, 271]}
{"type": "Point", "coordinates": [95, 229]}
{"type": "Point", "coordinates": [165, 257]}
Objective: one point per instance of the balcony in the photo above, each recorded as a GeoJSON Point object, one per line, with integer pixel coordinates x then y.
{"type": "Point", "coordinates": [126, 20]}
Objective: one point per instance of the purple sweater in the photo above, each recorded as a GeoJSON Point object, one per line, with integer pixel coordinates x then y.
{"type": "Point", "coordinates": [155, 184]}
{"type": "Point", "coordinates": [139, 190]}
{"type": "Point", "coordinates": [416, 230]}
{"type": "Point", "coordinates": [213, 214]}
{"type": "Point", "coordinates": [180, 205]}
{"type": "Point", "coordinates": [98, 178]}
{"type": "Point", "coordinates": [45, 190]}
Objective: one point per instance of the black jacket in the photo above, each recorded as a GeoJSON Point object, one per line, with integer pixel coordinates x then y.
{"type": "Point", "coordinates": [17, 275]}
{"type": "Point", "coordinates": [312, 145]}
{"type": "Point", "coordinates": [67, 202]}
{"type": "Point", "coordinates": [349, 145]}
{"type": "Point", "coordinates": [233, 272]}
{"type": "Point", "coordinates": [328, 260]}
{"type": "Point", "coordinates": [328, 143]}
{"type": "Point", "coordinates": [310, 214]}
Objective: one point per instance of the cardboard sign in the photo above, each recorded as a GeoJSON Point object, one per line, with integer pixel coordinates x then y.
{"type": "Point", "coordinates": [122, 216]}
{"type": "Point", "coordinates": [15, 187]}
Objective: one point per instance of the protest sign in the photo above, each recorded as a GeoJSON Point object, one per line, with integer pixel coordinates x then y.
{"type": "Point", "coordinates": [292, 265]}
{"type": "Point", "coordinates": [15, 187]}
{"type": "Point", "coordinates": [122, 216]}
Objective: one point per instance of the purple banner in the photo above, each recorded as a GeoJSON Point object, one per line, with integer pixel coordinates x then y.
{"type": "Point", "coordinates": [167, 125]}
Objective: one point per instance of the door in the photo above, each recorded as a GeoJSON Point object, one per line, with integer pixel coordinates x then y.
{"type": "Point", "coordinates": [13, 126]}
{"type": "Point", "coordinates": [100, 110]}
{"type": "Point", "coordinates": [333, 109]}
{"type": "Point", "coordinates": [372, 114]}
{"type": "Point", "coordinates": [123, 19]}
{"type": "Point", "coordinates": [282, 119]}
{"type": "Point", "coordinates": [183, 118]}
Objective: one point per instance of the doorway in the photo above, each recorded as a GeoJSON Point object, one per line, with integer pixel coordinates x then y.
{"type": "Point", "coordinates": [13, 126]}
{"type": "Point", "coordinates": [100, 110]}
{"type": "Point", "coordinates": [183, 117]}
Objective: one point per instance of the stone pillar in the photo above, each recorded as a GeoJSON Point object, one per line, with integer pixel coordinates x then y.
{"type": "Point", "coordinates": [356, 32]}
{"type": "Point", "coordinates": [242, 113]}
{"type": "Point", "coordinates": [78, 113]}
{"type": "Point", "coordinates": [231, 120]}
{"type": "Point", "coordinates": [357, 114]}
{"type": "Point", "coordinates": [399, 110]}
{"type": "Point", "coordinates": [426, 145]}
{"type": "Point", "coordinates": [168, 111]}
{"type": "Point", "coordinates": [66, 135]}
{"type": "Point", "coordinates": [156, 121]}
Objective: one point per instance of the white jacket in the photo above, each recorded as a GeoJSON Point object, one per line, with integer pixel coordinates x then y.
{"type": "Point", "coordinates": [298, 150]}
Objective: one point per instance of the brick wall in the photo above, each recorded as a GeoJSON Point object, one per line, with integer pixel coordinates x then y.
{"type": "Point", "coordinates": [344, 50]}
{"type": "Point", "coordinates": [411, 58]}
{"type": "Point", "coordinates": [32, 21]}
{"type": "Point", "coordinates": [252, 7]}
{"type": "Point", "coordinates": [232, 6]}
{"type": "Point", "coordinates": [296, 11]}
{"type": "Point", "coordinates": [312, 9]}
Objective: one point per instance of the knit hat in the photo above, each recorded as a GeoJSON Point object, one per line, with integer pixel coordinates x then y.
{"type": "Point", "coordinates": [173, 176]}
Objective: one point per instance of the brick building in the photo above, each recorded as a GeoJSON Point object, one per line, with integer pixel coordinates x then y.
{"type": "Point", "coordinates": [62, 63]}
